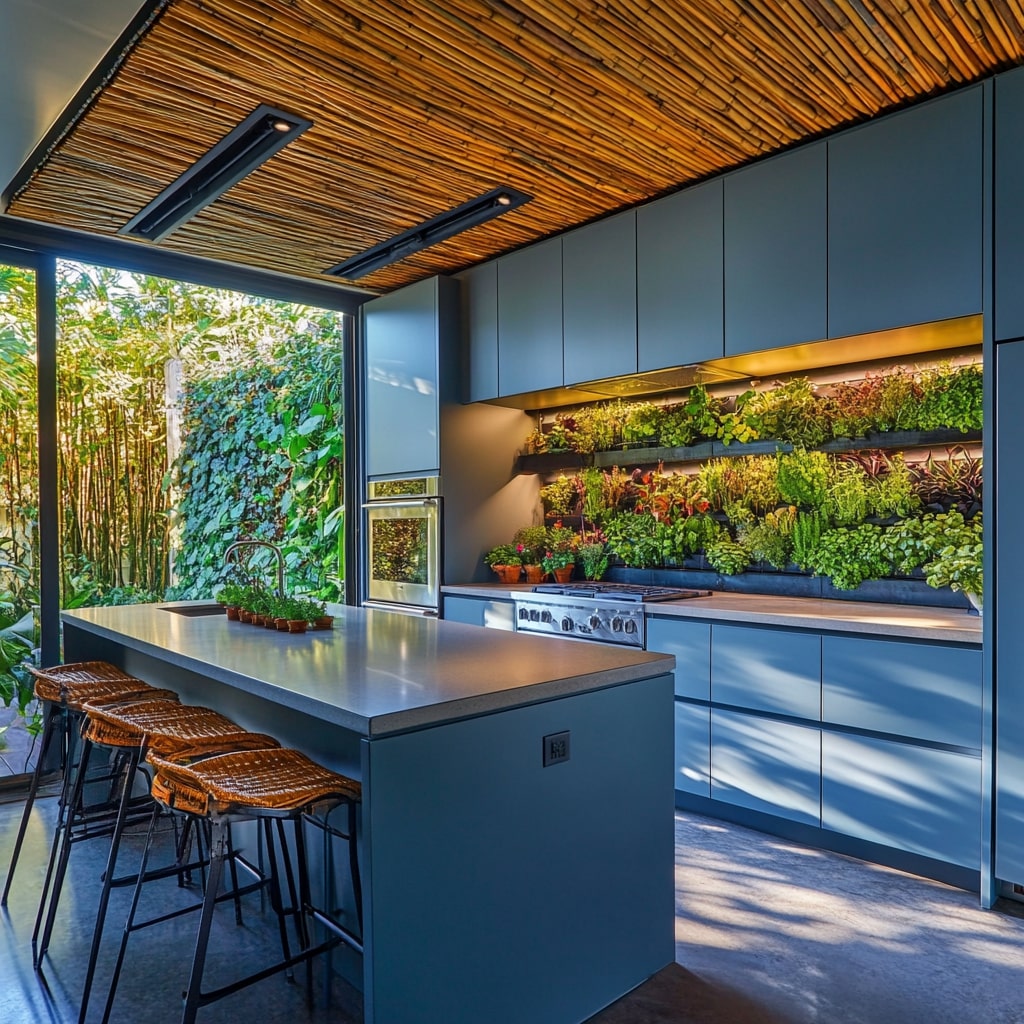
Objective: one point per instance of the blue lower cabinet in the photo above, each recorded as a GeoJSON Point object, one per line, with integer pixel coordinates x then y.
{"type": "Point", "coordinates": [693, 748]}
{"type": "Point", "coordinates": [479, 611]}
{"type": "Point", "coordinates": [767, 670]}
{"type": "Point", "coordinates": [690, 642]}
{"type": "Point", "coordinates": [766, 765]}
{"type": "Point", "coordinates": [918, 799]}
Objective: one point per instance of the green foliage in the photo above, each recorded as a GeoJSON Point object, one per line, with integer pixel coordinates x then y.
{"type": "Point", "coordinates": [804, 478]}
{"type": "Point", "coordinates": [851, 555]}
{"type": "Point", "coordinates": [958, 563]}
{"type": "Point", "coordinates": [531, 543]}
{"type": "Point", "coordinates": [952, 398]}
{"type": "Point", "coordinates": [847, 500]}
{"type": "Point", "coordinates": [728, 557]}
{"type": "Point", "coordinates": [771, 539]}
{"type": "Point", "coordinates": [759, 480]}
{"type": "Point", "coordinates": [503, 554]}
{"type": "Point", "coordinates": [791, 412]}
{"type": "Point", "coordinates": [635, 538]}
{"type": "Point", "coordinates": [807, 533]}
{"type": "Point", "coordinates": [703, 411]}
{"type": "Point", "coordinates": [593, 557]}
{"type": "Point", "coordinates": [892, 493]}
{"type": "Point", "coordinates": [642, 423]}
{"type": "Point", "coordinates": [720, 481]}
{"type": "Point", "coordinates": [559, 497]}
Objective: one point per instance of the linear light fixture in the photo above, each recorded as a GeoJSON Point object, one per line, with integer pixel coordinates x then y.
{"type": "Point", "coordinates": [469, 214]}
{"type": "Point", "coordinates": [243, 149]}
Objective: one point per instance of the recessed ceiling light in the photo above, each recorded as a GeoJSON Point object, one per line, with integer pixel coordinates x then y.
{"type": "Point", "coordinates": [242, 150]}
{"type": "Point", "coordinates": [467, 215]}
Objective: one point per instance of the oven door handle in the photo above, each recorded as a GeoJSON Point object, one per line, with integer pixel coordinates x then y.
{"type": "Point", "coordinates": [405, 503]}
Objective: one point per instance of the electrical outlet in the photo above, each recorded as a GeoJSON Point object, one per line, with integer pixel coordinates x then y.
{"type": "Point", "coordinates": [556, 748]}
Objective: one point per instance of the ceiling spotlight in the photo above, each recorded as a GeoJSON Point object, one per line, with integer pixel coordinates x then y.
{"type": "Point", "coordinates": [469, 214]}
{"type": "Point", "coordinates": [242, 150]}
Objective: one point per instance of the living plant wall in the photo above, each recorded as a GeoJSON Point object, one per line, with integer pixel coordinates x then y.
{"type": "Point", "coordinates": [862, 479]}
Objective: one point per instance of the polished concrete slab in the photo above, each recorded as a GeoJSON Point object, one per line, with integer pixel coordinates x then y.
{"type": "Point", "coordinates": [767, 932]}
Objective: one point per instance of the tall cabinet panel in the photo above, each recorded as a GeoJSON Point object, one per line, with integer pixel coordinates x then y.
{"type": "Point", "coordinates": [1009, 611]}
{"type": "Point", "coordinates": [530, 319]}
{"type": "Point", "coordinates": [679, 266]}
{"type": "Point", "coordinates": [905, 217]}
{"type": "Point", "coordinates": [775, 252]}
{"type": "Point", "coordinates": [480, 331]}
{"type": "Point", "coordinates": [599, 299]}
{"type": "Point", "coordinates": [403, 342]}
{"type": "Point", "coordinates": [1008, 223]}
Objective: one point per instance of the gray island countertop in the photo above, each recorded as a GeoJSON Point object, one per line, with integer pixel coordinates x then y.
{"type": "Point", "coordinates": [375, 672]}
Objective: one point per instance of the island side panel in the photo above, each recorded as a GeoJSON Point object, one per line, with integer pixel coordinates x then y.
{"type": "Point", "coordinates": [509, 892]}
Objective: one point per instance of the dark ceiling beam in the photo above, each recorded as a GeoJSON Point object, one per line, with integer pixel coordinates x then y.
{"type": "Point", "coordinates": [143, 258]}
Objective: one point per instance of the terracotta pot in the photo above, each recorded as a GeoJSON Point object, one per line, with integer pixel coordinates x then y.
{"type": "Point", "coordinates": [296, 625]}
{"type": "Point", "coordinates": [244, 616]}
{"type": "Point", "coordinates": [534, 573]}
{"type": "Point", "coordinates": [269, 622]}
{"type": "Point", "coordinates": [232, 613]}
{"type": "Point", "coordinates": [508, 573]}
{"type": "Point", "coordinates": [324, 622]}
{"type": "Point", "coordinates": [563, 575]}
{"type": "Point", "coordinates": [281, 625]}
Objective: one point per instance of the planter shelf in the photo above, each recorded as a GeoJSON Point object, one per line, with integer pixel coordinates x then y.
{"type": "Point", "coordinates": [553, 462]}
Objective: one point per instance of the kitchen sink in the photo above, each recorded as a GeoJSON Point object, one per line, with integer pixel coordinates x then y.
{"type": "Point", "coordinates": [193, 610]}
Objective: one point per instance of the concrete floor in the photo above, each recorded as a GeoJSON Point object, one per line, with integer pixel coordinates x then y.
{"type": "Point", "coordinates": [767, 932]}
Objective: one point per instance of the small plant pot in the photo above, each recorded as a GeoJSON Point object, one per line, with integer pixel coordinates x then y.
{"type": "Point", "coordinates": [324, 622]}
{"type": "Point", "coordinates": [534, 573]}
{"type": "Point", "coordinates": [281, 625]}
{"type": "Point", "coordinates": [563, 575]}
{"type": "Point", "coordinates": [269, 622]}
{"type": "Point", "coordinates": [508, 573]}
{"type": "Point", "coordinates": [295, 625]}
{"type": "Point", "coordinates": [232, 613]}
{"type": "Point", "coordinates": [244, 616]}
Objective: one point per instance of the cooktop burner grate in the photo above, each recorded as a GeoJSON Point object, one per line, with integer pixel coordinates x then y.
{"type": "Point", "coordinates": [619, 591]}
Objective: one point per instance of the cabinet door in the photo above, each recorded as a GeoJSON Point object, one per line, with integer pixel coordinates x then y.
{"type": "Point", "coordinates": [599, 299]}
{"type": "Point", "coordinates": [401, 332]}
{"type": "Point", "coordinates": [480, 331]}
{"type": "Point", "coordinates": [530, 319]}
{"type": "Point", "coordinates": [765, 765]}
{"type": "Point", "coordinates": [1008, 608]}
{"type": "Point", "coordinates": [905, 217]}
{"type": "Point", "coordinates": [479, 611]}
{"type": "Point", "coordinates": [914, 798]}
{"type": "Point", "coordinates": [679, 279]}
{"type": "Point", "coordinates": [690, 642]}
{"type": "Point", "coordinates": [693, 748]}
{"type": "Point", "coordinates": [1008, 223]}
{"type": "Point", "coordinates": [767, 670]}
{"type": "Point", "coordinates": [923, 691]}
{"type": "Point", "coordinates": [775, 252]}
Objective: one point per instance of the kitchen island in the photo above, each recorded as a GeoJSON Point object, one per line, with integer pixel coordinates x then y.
{"type": "Point", "coordinates": [498, 888]}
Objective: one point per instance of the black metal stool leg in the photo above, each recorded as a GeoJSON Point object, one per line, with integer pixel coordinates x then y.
{"type": "Point", "coordinates": [276, 901]}
{"type": "Point", "coordinates": [53, 716]}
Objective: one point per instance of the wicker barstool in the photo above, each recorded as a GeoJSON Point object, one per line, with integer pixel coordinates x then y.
{"type": "Point", "coordinates": [271, 786]}
{"type": "Point", "coordinates": [61, 689]}
{"type": "Point", "coordinates": [129, 728]}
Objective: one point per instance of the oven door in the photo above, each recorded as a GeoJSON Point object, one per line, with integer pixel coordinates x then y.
{"type": "Point", "coordinates": [404, 554]}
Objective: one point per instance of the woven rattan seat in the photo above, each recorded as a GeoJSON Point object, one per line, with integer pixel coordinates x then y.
{"type": "Point", "coordinates": [167, 727]}
{"type": "Point", "coordinates": [79, 696]}
{"type": "Point", "coordinates": [50, 683]}
{"type": "Point", "coordinates": [267, 780]}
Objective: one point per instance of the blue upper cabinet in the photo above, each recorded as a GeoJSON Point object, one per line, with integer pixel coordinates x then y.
{"type": "Point", "coordinates": [679, 265]}
{"type": "Point", "coordinates": [599, 299]}
{"type": "Point", "coordinates": [905, 217]}
{"type": "Point", "coordinates": [530, 319]}
{"type": "Point", "coordinates": [480, 331]}
{"type": "Point", "coordinates": [405, 331]}
{"type": "Point", "coordinates": [776, 252]}
{"type": "Point", "coordinates": [1008, 224]}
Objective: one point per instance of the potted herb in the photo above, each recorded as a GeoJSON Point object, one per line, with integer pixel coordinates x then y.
{"type": "Point", "coordinates": [531, 542]}
{"type": "Point", "coordinates": [506, 561]}
{"type": "Point", "coordinates": [316, 614]}
{"type": "Point", "coordinates": [958, 564]}
{"type": "Point", "coordinates": [230, 596]}
{"type": "Point", "coordinates": [560, 557]}
{"type": "Point", "coordinates": [593, 557]}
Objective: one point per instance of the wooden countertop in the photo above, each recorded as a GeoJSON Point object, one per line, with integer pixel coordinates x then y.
{"type": "Point", "coordinates": [950, 625]}
{"type": "Point", "coordinates": [375, 672]}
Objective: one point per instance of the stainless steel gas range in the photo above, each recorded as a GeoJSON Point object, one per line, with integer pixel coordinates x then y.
{"type": "Point", "coordinates": [611, 613]}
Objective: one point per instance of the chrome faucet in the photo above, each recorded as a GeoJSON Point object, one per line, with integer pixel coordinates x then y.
{"type": "Point", "coordinates": [260, 544]}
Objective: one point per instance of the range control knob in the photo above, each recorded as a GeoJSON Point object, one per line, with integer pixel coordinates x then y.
{"type": "Point", "coordinates": [567, 624]}
{"type": "Point", "coordinates": [630, 626]}
{"type": "Point", "coordinates": [595, 621]}
{"type": "Point", "coordinates": [524, 614]}
{"type": "Point", "coordinates": [545, 616]}
{"type": "Point", "coordinates": [616, 625]}
{"type": "Point", "coordinates": [535, 615]}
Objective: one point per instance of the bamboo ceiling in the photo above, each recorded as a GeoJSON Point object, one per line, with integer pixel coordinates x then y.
{"type": "Point", "coordinates": [588, 105]}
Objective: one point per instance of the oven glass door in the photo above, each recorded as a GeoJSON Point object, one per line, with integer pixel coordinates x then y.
{"type": "Point", "coordinates": [404, 553]}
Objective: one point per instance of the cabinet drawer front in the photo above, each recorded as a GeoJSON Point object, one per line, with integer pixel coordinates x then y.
{"type": "Point", "coordinates": [918, 690]}
{"type": "Point", "coordinates": [478, 611]}
{"type": "Point", "coordinates": [917, 799]}
{"type": "Point", "coordinates": [693, 748]}
{"type": "Point", "coordinates": [690, 642]}
{"type": "Point", "coordinates": [768, 766]}
{"type": "Point", "coordinates": [767, 670]}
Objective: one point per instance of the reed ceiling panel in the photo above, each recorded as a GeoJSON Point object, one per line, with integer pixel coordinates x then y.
{"type": "Point", "coordinates": [418, 106]}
